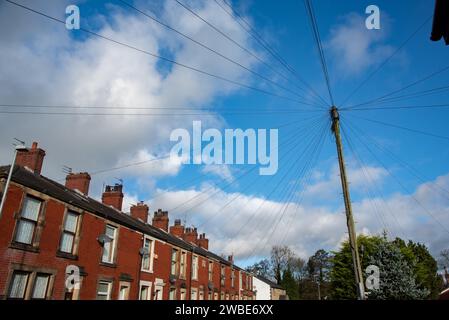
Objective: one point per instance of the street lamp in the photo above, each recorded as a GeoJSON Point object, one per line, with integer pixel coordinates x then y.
{"type": "Point", "coordinates": [18, 148]}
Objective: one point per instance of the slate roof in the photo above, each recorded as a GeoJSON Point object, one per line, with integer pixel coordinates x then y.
{"type": "Point", "coordinates": [58, 191]}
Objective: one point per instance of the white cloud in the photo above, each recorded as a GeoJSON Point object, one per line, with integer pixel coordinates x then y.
{"type": "Point", "coordinates": [243, 224]}
{"type": "Point", "coordinates": [354, 48]}
{"type": "Point", "coordinates": [222, 171]}
{"type": "Point", "coordinates": [43, 63]}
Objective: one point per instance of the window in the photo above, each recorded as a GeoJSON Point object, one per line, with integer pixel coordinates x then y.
{"type": "Point", "coordinates": [145, 290]}
{"type": "Point", "coordinates": [174, 262]}
{"type": "Point", "coordinates": [194, 267]}
{"type": "Point", "coordinates": [222, 296]}
{"type": "Point", "coordinates": [22, 282]}
{"type": "Point", "coordinates": [146, 258]}
{"type": "Point", "coordinates": [211, 270]}
{"type": "Point", "coordinates": [40, 286]}
{"type": "Point", "coordinates": [215, 295]}
{"type": "Point", "coordinates": [223, 276]}
{"type": "Point", "coordinates": [209, 296]}
{"type": "Point", "coordinates": [240, 280]}
{"type": "Point", "coordinates": [28, 220]}
{"type": "Point", "coordinates": [172, 294]}
{"type": "Point", "coordinates": [109, 246]}
{"type": "Point", "coordinates": [124, 291]}
{"type": "Point", "coordinates": [158, 289]}
{"type": "Point", "coordinates": [201, 295]}
{"type": "Point", "coordinates": [183, 264]}
{"type": "Point", "coordinates": [232, 278]}
{"type": "Point", "coordinates": [227, 296]}
{"type": "Point", "coordinates": [19, 283]}
{"type": "Point", "coordinates": [193, 294]}
{"type": "Point", "coordinates": [69, 232]}
{"type": "Point", "coordinates": [183, 294]}
{"type": "Point", "coordinates": [104, 290]}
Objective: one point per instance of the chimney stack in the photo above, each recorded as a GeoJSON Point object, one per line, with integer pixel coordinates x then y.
{"type": "Point", "coordinates": [203, 242]}
{"type": "Point", "coordinates": [231, 258]}
{"type": "Point", "coordinates": [113, 196]}
{"type": "Point", "coordinates": [78, 181]}
{"type": "Point", "coordinates": [160, 220]}
{"type": "Point", "coordinates": [32, 158]}
{"type": "Point", "coordinates": [190, 235]}
{"type": "Point", "coordinates": [140, 211]}
{"type": "Point", "coordinates": [177, 229]}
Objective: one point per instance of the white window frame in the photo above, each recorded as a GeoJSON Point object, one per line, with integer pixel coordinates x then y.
{"type": "Point", "coordinates": [174, 263]}
{"type": "Point", "coordinates": [195, 267]}
{"type": "Point", "coordinates": [193, 294]}
{"type": "Point", "coordinates": [210, 270]}
{"type": "Point", "coordinates": [147, 284]}
{"type": "Point", "coordinates": [112, 243]}
{"type": "Point", "coordinates": [108, 293]}
{"type": "Point", "coordinates": [182, 294]}
{"type": "Point", "coordinates": [158, 289]}
{"type": "Point", "coordinates": [174, 291]}
{"type": "Point", "coordinates": [150, 256]}
{"type": "Point", "coordinates": [183, 264]}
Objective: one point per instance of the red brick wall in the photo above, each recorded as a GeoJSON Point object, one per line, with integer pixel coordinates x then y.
{"type": "Point", "coordinates": [89, 251]}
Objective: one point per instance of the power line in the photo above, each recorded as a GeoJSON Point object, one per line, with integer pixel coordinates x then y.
{"type": "Point", "coordinates": [210, 49]}
{"type": "Point", "coordinates": [403, 128]}
{"type": "Point", "coordinates": [434, 106]}
{"type": "Point", "coordinates": [399, 182]}
{"type": "Point", "coordinates": [386, 60]}
{"type": "Point", "coordinates": [259, 39]}
{"type": "Point", "coordinates": [433, 74]}
{"type": "Point", "coordinates": [236, 83]}
{"type": "Point", "coordinates": [316, 34]}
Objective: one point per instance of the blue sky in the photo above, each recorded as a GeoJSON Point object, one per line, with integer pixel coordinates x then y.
{"type": "Point", "coordinates": [45, 64]}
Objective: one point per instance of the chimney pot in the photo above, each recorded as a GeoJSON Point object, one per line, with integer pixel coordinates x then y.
{"type": "Point", "coordinates": [140, 211]}
{"type": "Point", "coordinates": [32, 158]}
{"type": "Point", "coordinates": [113, 196]}
{"type": "Point", "coordinates": [78, 181]}
{"type": "Point", "coordinates": [160, 220]}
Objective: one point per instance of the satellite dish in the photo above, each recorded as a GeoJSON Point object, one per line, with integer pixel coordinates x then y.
{"type": "Point", "coordinates": [102, 239]}
{"type": "Point", "coordinates": [144, 252]}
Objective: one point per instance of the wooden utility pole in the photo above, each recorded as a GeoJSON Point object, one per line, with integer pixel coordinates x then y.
{"type": "Point", "coordinates": [348, 208]}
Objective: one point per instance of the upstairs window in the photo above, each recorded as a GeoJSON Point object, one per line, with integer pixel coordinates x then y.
{"type": "Point", "coordinates": [174, 262]}
{"type": "Point", "coordinates": [69, 232]}
{"type": "Point", "coordinates": [146, 258]}
{"type": "Point", "coordinates": [109, 245]}
{"type": "Point", "coordinates": [28, 220]}
{"type": "Point", "coordinates": [194, 267]}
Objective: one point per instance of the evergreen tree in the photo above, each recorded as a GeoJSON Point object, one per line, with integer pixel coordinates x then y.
{"type": "Point", "coordinates": [397, 279]}
{"type": "Point", "coordinates": [290, 285]}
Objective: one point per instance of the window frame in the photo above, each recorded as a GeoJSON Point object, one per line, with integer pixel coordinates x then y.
{"type": "Point", "coordinates": [73, 234]}
{"type": "Point", "coordinates": [174, 263]}
{"type": "Point", "coordinates": [112, 243]}
{"type": "Point", "coordinates": [20, 218]}
{"type": "Point", "coordinates": [149, 286]}
{"type": "Point", "coordinates": [150, 256]}
{"type": "Point", "coordinates": [195, 267]}
{"type": "Point", "coordinates": [183, 264]}
{"type": "Point", "coordinates": [46, 287]}
{"type": "Point", "coordinates": [109, 292]}
{"type": "Point", "coordinates": [26, 288]}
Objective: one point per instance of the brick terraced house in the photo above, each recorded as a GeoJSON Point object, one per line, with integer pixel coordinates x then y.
{"type": "Point", "coordinates": [50, 232]}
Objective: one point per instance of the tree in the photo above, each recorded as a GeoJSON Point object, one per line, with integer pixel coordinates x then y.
{"type": "Point", "coordinates": [341, 275]}
{"type": "Point", "coordinates": [261, 268]}
{"type": "Point", "coordinates": [281, 257]}
{"type": "Point", "coordinates": [289, 283]}
{"type": "Point", "coordinates": [425, 267]}
{"type": "Point", "coordinates": [397, 279]}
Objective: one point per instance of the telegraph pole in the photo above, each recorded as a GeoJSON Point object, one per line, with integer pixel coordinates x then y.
{"type": "Point", "coordinates": [348, 208]}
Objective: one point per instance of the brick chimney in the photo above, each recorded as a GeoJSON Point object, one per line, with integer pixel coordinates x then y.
{"type": "Point", "coordinates": [32, 158]}
{"type": "Point", "coordinates": [177, 229]}
{"type": "Point", "coordinates": [78, 181]}
{"type": "Point", "coordinates": [190, 235]}
{"type": "Point", "coordinates": [113, 196]}
{"type": "Point", "coordinates": [203, 242]}
{"type": "Point", "coordinates": [231, 258]}
{"type": "Point", "coordinates": [160, 220]}
{"type": "Point", "coordinates": [140, 211]}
